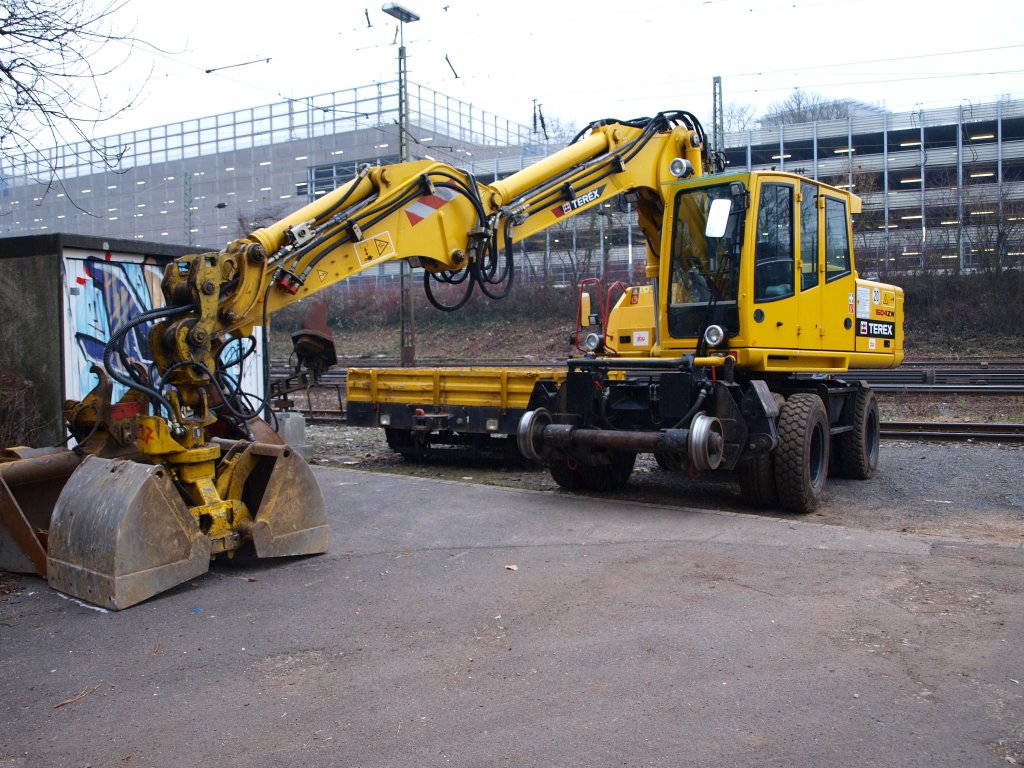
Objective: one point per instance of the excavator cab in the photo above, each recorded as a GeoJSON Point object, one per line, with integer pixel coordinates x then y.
{"type": "Point", "coordinates": [760, 267]}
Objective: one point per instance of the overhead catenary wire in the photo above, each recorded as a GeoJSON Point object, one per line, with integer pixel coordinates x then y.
{"type": "Point", "coordinates": [666, 13]}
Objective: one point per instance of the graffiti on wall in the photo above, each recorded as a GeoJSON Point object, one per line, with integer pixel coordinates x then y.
{"type": "Point", "coordinates": [108, 292]}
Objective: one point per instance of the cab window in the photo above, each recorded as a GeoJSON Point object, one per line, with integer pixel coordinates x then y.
{"type": "Point", "coordinates": [837, 239]}
{"type": "Point", "coordinates": [773, 255]}
{"type": "Point", "coordinates": [704, 272]}
{"type": "Point", "coordinates": [808, 236]}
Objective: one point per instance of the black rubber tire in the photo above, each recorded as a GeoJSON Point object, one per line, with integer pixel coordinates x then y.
{"type": "Point", "coordinates": [757, 481]}
{"type": "Point", "coordinates": [858, 450]}
{"type": "Point", "coordinates": [757, 475]}
{"type": "Point", "coordinates": [601, 479]}
{"type": "Point", "coordinates": [568, 475]}
{"type": "Point", "coordinates": [801, 461]}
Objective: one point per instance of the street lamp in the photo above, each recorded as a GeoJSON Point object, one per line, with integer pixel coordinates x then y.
{"type": "Point", "coordinates": [404, 16]}
{"type": "Point", "coordinates": [408, 330]}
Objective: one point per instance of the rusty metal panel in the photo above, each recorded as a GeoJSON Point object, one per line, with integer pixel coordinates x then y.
{"type": "Point", "coordinates": [29, 487]}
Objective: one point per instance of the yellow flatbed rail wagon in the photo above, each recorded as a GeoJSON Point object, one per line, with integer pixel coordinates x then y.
{"type": "Point", "coordinates": [476, 407]}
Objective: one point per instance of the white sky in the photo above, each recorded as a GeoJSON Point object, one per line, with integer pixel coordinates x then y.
{"type": "Point", "coordinates": [580, 60]}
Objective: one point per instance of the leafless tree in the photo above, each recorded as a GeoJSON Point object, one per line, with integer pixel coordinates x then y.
{"type": "Point", "coordinates": [869, 225]}
{"type": "Point", "coordinates": [993, 241]}
{"type": "Point", "coordinates": [559, 132]}
{"type": "Point", "coordinates": [20, 419]}
{"type": "Point", "coordinates": [803, 107]}
{"type": "Point", "coordinates": [264, 215]}
{"type": "Point", "coordinates": [580, 245]}
{"type": "Point", "coordinates": [54, 55]}
{"type": "Point", "coordinates": [738, 117]}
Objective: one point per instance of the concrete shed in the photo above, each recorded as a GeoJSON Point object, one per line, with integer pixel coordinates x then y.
{"type": "Point", "coordinates": [61, 297]}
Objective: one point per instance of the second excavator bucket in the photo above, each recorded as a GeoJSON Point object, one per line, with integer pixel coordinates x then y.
{"type": "Point", "coordinates": [285, 500]}
{"type": "Point", "coordinates": [120, 533]}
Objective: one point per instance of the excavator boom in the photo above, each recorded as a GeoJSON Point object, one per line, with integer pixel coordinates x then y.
{"type": "Point", "coordinates": [182, 468]}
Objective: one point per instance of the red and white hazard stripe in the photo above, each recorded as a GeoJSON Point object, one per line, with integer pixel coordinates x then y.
{"type": "Point", "coordinates": [429, 204]}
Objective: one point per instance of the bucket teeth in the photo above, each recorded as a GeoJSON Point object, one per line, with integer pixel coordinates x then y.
{"type": "Point", "coordinates": [120, 533]}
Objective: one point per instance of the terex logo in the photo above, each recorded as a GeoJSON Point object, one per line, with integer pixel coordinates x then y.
{"type": "Point", "coordinates": [870, 328]}
{"type": "Point", "coordinates": [577, 202]}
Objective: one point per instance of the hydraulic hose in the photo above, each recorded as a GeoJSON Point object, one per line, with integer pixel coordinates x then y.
{"type": "Point", "coordinates": [114, 345]}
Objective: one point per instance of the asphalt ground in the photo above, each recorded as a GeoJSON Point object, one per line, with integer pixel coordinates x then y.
{"type": "Point", "coordinates": [471, 625]}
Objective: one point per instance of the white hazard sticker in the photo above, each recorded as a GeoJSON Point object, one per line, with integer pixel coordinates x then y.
{"type": "Point", "coordinates": [375, 247]}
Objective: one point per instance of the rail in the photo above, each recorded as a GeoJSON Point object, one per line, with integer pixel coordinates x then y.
{"type": "Point", "coordinates": [957, 432]}
{"type": "Point", "coordinates": [953, 431]}
{"type": "Point", "coordinates": [917, 377]}
{"type": "Point", "coordinates": [920, 377]}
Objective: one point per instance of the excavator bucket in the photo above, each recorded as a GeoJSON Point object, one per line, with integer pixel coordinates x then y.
{"type": "Point", "coordinates": [120, 533]}
{"type": "Point", "coordinates": [115, 532]}
{"type": "Point", "coordinates": [284, 497]}
{"type": "Point", "coordinates": [31, 479]}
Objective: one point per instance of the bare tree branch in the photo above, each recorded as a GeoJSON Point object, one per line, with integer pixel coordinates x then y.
{"type": "Point", "coordinates": [738, 116]}
{"type": "Point", "coordinates": [803, 107]}
{"type": "Point", "coordinates": [51, 68]}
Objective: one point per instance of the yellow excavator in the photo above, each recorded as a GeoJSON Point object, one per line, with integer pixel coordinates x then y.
{"type": "Point", "coordinates": [754, 298]}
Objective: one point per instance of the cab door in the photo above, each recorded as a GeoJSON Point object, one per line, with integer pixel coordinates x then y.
{"type": "Point", "coordinates": [774, 275]}
{"type": "Point", "coordinates": [810, 205]}
{"type": "Point", "coordinates": [838, 289]}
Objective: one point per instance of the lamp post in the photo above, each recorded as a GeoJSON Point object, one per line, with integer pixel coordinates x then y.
{"type": "Point", "coordinates": [406, 321]}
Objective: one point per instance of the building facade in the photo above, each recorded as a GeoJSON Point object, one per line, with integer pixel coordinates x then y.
{"type": "Point", "coordinates": [207, 181]}
{"type": "Point", "coordinates": [942, 189]}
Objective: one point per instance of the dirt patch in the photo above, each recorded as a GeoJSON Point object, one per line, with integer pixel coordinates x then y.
{"type": "Point", "coordinates": [953, 408]}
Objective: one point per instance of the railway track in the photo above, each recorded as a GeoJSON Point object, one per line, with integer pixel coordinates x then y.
{"type": "Point", "coordinates": [891, 430]}
{"type": "Point", "coordinates": [953, 431]}
{"type": "Point", "coordinates": [916, 377]}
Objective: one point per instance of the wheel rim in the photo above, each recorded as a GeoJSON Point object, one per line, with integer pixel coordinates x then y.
{"type": "Point", "coordinates": [871, 438]}
{"type": "Point", "coordinates": [705, 443]}
{"type": "Point", "coordinates": [817, 456]}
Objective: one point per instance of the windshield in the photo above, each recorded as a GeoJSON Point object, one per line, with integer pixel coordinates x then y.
{"type": "Point", "coordinates": [704, 273]}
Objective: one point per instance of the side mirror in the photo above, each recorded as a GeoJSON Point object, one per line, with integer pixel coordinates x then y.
{"type": "Point", "coordinates": [718, 217]}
